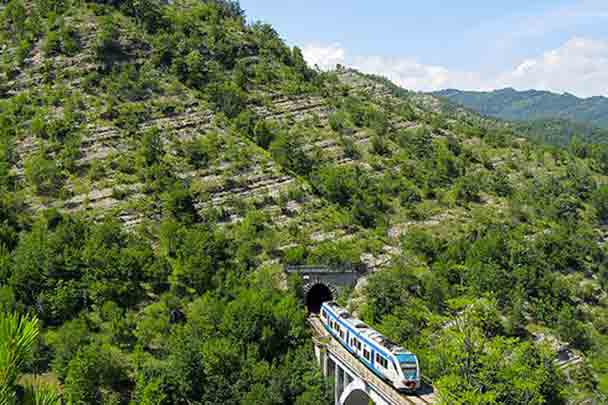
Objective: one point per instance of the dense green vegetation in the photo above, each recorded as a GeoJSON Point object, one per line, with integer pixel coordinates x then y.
{"type": "Point", "coordinates": [560, 132]}
{"type": "Point", "coordinates": [540, 116]}
{"type": "Point", "coordinates": [532, 105]}
{"type": "Point", "coordinates": [160, 162]}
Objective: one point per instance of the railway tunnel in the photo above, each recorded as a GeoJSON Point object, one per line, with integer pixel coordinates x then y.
{"type": "Point", "coordinates": [317, 295]}
{"type": "Point", "coordinates": [323, 283]}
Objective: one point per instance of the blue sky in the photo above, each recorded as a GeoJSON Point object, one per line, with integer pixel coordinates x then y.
{"type": "Point", "coordinates": [557, 45]}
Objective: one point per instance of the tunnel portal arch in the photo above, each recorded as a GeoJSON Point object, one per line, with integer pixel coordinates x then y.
{"type": "Point", "coordinates": [317, 294]}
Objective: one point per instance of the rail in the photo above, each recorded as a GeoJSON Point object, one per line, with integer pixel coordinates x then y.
{"type": "Point", "coordinates": [426, 395]}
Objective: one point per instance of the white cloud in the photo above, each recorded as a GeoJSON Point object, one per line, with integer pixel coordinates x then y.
{"type": "Point", "coordinates": [325, 57]}
{"type": "Point", "coordinates": [580, 66]}
{"type": "Point", "coordinates": [411, 74]}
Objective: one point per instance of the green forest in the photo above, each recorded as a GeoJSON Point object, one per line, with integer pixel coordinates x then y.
{"type": "Point", "coordinates": [542, 116]}
{"type": "Point", "coordinates": [532, 105]}
{"type": "Point", "coordinates": [160, 164]}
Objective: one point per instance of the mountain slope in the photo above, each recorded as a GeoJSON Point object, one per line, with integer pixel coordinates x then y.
{"type": "Point", "coordinates": [516, 105]}
{"type": "Point", "coordinates": [161, 162]}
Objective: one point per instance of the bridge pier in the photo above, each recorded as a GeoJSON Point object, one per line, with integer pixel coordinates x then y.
{"type": "Point", "coordinates": [349, 389]}
{"type": "Point", "coordinates": [339, 385]}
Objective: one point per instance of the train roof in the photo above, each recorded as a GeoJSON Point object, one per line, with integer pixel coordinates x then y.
{"type": "Point", "coordinates": [366, 330]}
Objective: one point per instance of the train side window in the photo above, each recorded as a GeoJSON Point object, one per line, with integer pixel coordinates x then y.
{"type": "Point", "coordinates": [382, 361]}
{"type": "Point", "coordinates": [366, 354]}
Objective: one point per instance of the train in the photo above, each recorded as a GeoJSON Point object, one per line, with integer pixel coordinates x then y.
{"type": "Point", "coordinates": [392, 363]}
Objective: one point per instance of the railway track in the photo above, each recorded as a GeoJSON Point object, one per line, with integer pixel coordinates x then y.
{"type": "Point", "coordinates": [425, 395]}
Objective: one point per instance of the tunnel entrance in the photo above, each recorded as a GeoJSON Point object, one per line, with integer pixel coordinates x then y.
{"type": "Point", "coordinates": [317, 295]}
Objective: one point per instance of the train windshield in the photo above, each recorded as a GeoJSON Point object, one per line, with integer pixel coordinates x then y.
{"type": "Point", "coordinates": [409, 365]}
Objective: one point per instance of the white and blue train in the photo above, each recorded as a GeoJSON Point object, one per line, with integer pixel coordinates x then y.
{"type": "Point", "coordinates": [389, 361]}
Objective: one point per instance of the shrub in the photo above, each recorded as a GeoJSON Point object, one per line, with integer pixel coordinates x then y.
{"type": "Point", "coordinates": [227, 98]}
{"type": "Point", "coordinates": [599, 200]}
{"type": "Point", "coordinates": [467, 189]}
{"type": "Point", "coordinates": [380, 146]}
{"type": "Point", "coordinates": [43, 173]}
{"type": "Point", "coordinates": [63, 40]}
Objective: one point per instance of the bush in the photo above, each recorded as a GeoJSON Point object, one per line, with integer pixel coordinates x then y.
{"type": "Point", "coordinates": [353, 189]}
{"type": "Point", "coordinates": [95, 376]}
{"type": "Point", "coordinates": [350, 149]}
{"type": "Point", "coordinates": [288, 151]}
{"type": "Point", "coordinates": [599, 199]}
{"type": "Point", "coordinates": [227, 98]}
{"type": "Point", "coordinates": [107, 42]}
{"type": "Point", "coordinates": [178, 203]}
{"type": "Point", "coordinates": [201, 151]}
{"type": "Point", "coordinates": [467, 189]}
{"type": "Point", "coordinates": [380, 146]}
{"type": "Point", "coordinates": [63, 40]}
{"type": "Point", "coordinates": [44, 174]}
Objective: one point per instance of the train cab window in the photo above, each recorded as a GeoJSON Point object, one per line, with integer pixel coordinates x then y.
{"type": "Point", "coordinates": [324, 314]}
{"type": "Point", "coordinates": [366, 354]}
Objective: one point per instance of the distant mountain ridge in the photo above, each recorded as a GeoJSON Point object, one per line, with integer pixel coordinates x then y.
{"type": "Point", "coordinates": [511, 104]}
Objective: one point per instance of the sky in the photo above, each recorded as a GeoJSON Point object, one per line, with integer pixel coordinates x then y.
{"type": "Point", "coordinates": [555, 45]}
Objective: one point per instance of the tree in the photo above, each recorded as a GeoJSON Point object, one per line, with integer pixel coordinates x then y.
{"type": "Point", "coordinates": [95, 375]}
{"type": "Point", "coordinates": [17, 337]}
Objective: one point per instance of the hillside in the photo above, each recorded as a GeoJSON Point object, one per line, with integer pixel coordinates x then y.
{"type": "Point", "coordinates": [560, 132]}
{"type": "Point", "coordinates": [528, 105]}
{"type": "Point", "coordinates": [160, 163]}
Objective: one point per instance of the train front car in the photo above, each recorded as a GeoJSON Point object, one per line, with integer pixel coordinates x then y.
{"type": "Point", "coordinates": [389, 361]}
{"type": "Point", "coordinates": [410, 372]}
